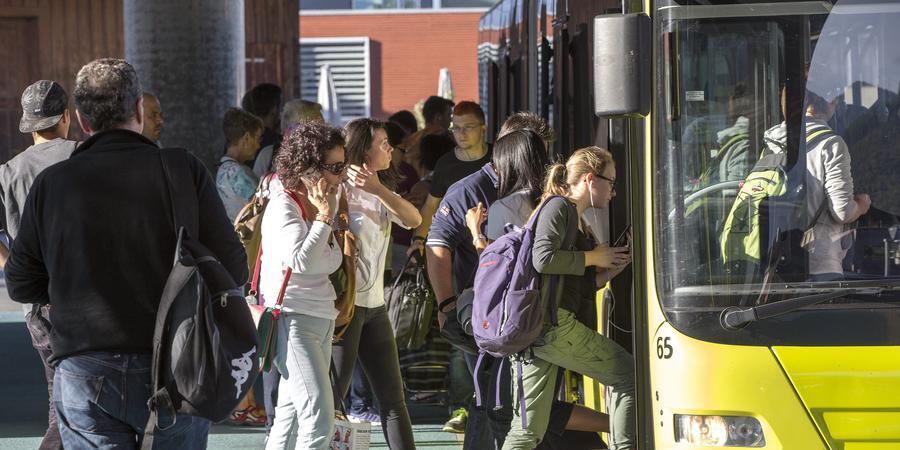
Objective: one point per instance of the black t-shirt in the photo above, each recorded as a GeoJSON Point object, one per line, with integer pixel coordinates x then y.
{"type": "Point", "coordinates": [449, 169]}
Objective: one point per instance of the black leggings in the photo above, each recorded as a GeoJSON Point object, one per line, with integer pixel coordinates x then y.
{"type": "Point", "coordinates": [370, 337]}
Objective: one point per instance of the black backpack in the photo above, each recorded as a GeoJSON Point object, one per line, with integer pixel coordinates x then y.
{"type": "Point", "coordinates": [204, 344]}
{"type": "Point", "coordinates": [410, 306]}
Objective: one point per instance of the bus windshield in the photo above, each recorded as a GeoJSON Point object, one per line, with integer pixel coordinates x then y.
{"type": "Point", "coordinates": [777, 161]}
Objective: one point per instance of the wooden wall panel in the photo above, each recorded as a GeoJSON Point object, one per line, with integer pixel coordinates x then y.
{"type": "Point", "coordinates": [18, 68]}
{"type": "Point", "coordinates": [272, 35]}
{"type": "Point", "coordinates": [71, 33]}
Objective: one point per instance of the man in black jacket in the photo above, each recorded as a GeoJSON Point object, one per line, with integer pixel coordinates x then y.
{"type": "Point", "coordinates": [97, 242]}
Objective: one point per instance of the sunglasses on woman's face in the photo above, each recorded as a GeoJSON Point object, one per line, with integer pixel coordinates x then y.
{"type": "Point", "coordinates": [334, 168]}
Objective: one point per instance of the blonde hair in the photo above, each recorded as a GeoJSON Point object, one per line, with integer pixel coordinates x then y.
{"type": "Point", "coordinates": [583, 161]}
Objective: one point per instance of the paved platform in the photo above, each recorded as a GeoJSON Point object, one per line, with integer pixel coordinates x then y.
{"type": "Point", "coordinates": [24, 394]}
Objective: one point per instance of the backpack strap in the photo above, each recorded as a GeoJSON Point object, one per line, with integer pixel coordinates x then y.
{"type": "Point", "coordinates": [299, 202]}
{"type": "Point", "coordinates": [280, 300]}
{"type": "Point", "coordinates": [521, 388]}
{"type": "Point", "coordinates": [734, 140]}
{"type": "Point", "coordinates": [723, 150]}
{"type": "Point", "coordinates": [475, 376]}
{"type": "Point", "coordinates": [254, 282]}
{"type": "Point", "coordinates": [819, 212]}
{"type": "Point", "coordinates": [818, 134]}
{"type": "Point", "coordinates": [532, 221]}
{"type": "Point", "coordinates": [498, 385]}
{"type": "Point", "coordinates": [160, 397]}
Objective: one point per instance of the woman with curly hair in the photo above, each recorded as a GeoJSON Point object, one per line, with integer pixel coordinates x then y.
{"type": "Point", "coordinates": [297, 238]}
{"type": "Point", "coordinates": [373, 207]}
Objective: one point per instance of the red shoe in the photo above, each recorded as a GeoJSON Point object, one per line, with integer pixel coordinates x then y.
{"type": "Point", "coordinates": [252, 416]}
{"type": "Point", "coordinates": [238, 416]}
{"type": "Point", "coordinates": [256, 417]}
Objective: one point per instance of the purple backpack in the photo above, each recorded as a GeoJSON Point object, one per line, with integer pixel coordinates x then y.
{"type": "Point", "coordinates": [508, 310]}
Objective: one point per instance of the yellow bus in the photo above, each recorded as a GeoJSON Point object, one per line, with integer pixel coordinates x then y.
{"type": "Point", "coordinates": [759, 316]}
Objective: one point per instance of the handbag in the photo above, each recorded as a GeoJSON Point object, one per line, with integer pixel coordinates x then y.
{"type": "Point", "coordinates": [344, 279]}
{"type": "Point", "coordinates": [410, 306]}
{"type": "Point", "coordinates": [266, 318]}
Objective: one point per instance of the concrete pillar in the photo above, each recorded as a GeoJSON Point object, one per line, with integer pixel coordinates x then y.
{"type": "Point", "coordinates": [190, 53]}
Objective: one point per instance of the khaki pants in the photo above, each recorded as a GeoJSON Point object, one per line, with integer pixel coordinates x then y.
{"type": "Point", "coordinates": [576, 347]}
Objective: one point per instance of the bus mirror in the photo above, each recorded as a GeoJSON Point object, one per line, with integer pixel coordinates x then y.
{"type": "Point", "coordinates": [622, 54]}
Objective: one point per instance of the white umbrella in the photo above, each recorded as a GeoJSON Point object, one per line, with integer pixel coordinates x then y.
{"type": "Point", "coordinates": [331, 108]}
{"type": "Point", "coordinates": [445, 86]}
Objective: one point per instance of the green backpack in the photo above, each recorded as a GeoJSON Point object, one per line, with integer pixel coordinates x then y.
{"type": "Point", "coordinates": [743, 230]}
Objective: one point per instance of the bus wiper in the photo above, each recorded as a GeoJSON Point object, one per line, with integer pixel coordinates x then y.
{"type": "Point", "coordinates": [736, 317]}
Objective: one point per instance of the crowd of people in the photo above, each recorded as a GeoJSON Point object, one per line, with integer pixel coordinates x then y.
{"type": "Point", "coordinates": [92, 239]}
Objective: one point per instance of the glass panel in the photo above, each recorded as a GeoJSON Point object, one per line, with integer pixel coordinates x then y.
{"type": "Point", "coordinates": [310, 5]}
{"type": "Point", "coordinates": [775, 130]}
{"type": "Point", "coordinates": [467, 3]}
{"type": "Point", "coordinates": [385, 4]}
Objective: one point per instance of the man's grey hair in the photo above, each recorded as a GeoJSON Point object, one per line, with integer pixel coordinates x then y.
{"type": "Point", "coordinates": [296, 111]}
{"type": "Point", "coordinates": [106, 93]}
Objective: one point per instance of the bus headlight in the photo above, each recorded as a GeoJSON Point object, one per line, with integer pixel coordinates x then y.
{"type": "Point", "coordinates": [719, 431]}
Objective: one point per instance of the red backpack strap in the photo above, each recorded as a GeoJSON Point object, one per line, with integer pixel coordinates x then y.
{"type": "Point", "coordinates": [254, 282]}
{"type": "Point", "coordinates": [284, 283]}
{"type": "Point", "coordinates": [288, 270]}
{"type": "Point", "coordinates": [299, 202]}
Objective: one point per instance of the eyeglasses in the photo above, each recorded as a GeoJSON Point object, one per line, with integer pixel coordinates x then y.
{"type": "Point", "coordinates": [334, 168]}
{"type": "Point", "coordinates": [465, 129]}
{"type": "Point", "coordinates": [612, 181]}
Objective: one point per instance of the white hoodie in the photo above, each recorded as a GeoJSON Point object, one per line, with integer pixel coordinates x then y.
{"type": "Point", "coordinates": [827, 177]}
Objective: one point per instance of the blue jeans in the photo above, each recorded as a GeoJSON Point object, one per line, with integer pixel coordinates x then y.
{"type": "Point", "coordinates": [101, 402]}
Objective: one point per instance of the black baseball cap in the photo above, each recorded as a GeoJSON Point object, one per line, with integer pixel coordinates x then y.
{"type": "Point", "coordinates": [43, 104]}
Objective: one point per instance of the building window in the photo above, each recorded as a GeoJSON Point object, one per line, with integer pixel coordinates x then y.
{"type": "Point", "coordinates": [349, 59]}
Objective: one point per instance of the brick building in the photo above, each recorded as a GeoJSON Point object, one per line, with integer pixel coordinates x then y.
{"type": "Point", "coordinates": [385, 60]}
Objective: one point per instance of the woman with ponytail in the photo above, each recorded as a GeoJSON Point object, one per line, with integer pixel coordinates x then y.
{"type": "Point", "coordinates": [586, 180]}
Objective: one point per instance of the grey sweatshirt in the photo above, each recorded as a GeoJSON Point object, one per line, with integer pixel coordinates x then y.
{"type": "Point", "coordinates": [551, 258]}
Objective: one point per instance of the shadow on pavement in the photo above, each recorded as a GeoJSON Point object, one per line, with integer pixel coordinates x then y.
{"type": "Point", "coordinates": [22, 384]}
